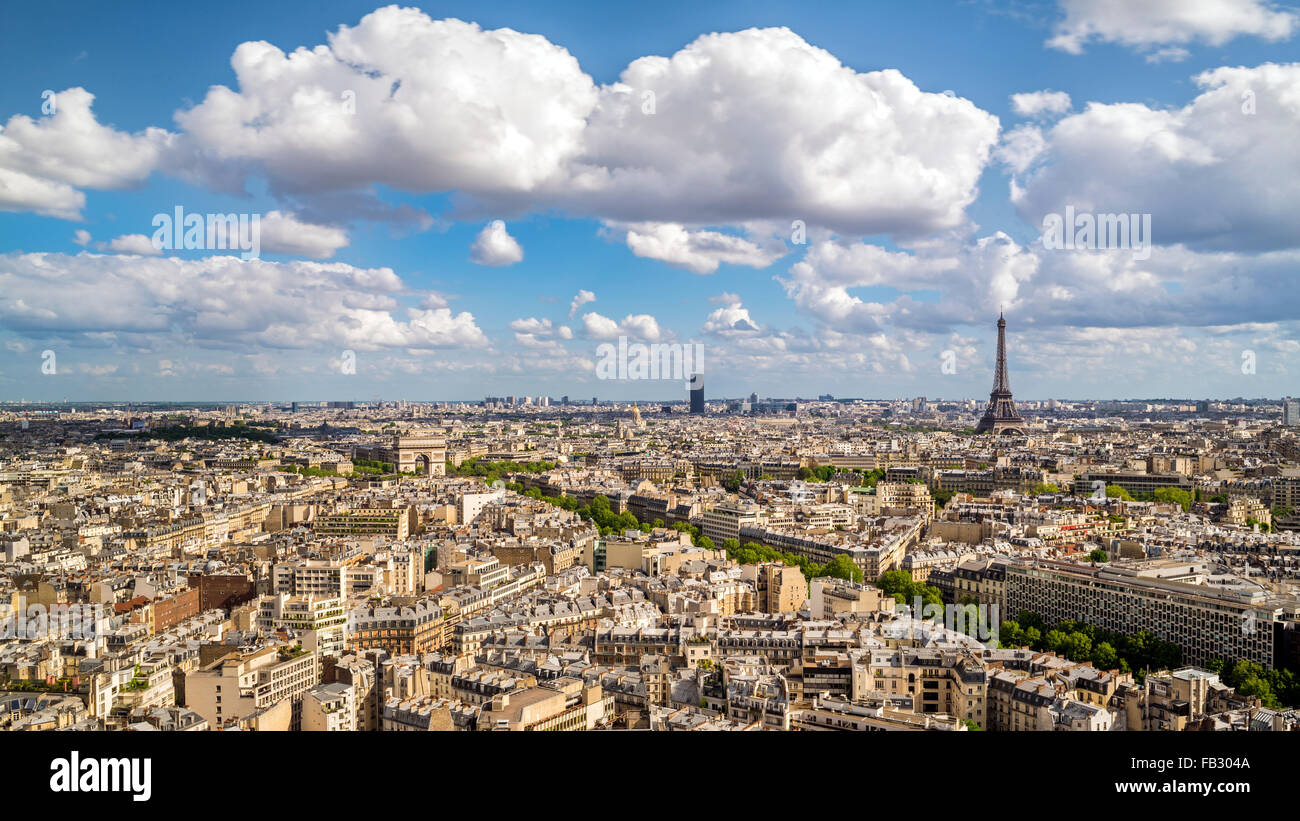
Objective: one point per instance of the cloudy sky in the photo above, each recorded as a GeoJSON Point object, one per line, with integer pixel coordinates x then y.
{"type": "Point", "coordinates": [468, 201]}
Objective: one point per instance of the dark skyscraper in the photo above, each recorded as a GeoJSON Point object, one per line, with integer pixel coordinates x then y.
{"type": "Point", "coordinates": [1000, 417]}
{"type": "Point", "coordinates": [697, 394]}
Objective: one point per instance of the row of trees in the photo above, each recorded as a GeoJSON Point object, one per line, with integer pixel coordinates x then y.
{"type": "Point", "coordinates": [598, 512]}
{"type": "Point", "coordinates": [1182, 498]}
{"type": "Point", "coordinates": [900, 585]}
{"type": "Point", "coordinates": [492, 471]}
{"type": "Point", "coordinates": [1083, 642]}
{"type": "Point", "coordinates": [611, 523]}
{"type": "Point", "coordinates": [372, 466]}
{"type": "Point", "coordinates": [821, 473]}
{"type": "Point", "coordinates": [841, 567]}
{"type": "Point", "coordinates": [824, 473]}
{"type": "Point", "coordinates": [306, 470]}
{"type": "Point", "coordinates": [212, 433]}
{"type": "Point", "coordinates": [1275, 688]}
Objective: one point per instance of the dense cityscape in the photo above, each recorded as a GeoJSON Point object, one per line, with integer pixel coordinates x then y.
{"type": "Point", "coordinates": [604, 372]}
{"type": "Point", "coordinates": [541, 563]}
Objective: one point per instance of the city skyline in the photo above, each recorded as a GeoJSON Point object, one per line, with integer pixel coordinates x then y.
{"type": "Point", "coordinates": [430, 231]}
{"type": "Point", "coordinates": [999, 412]}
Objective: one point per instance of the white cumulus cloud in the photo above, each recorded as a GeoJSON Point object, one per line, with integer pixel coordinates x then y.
{"type": "Point", "coordinates": [699, 251]}
{"type": "Point", "coordinates": [1218, 172]}
{"type": "Point", "coordinates": [220, 301]}
{"type": "Point", "coordinates": [494, 246]}
{"type": "Point", "coordinates": [1149, 24]}
{"type": "Point", "coordinates": [286, 234]}
{"type": "Point", "coordinates": [634, 326]}
{"type": "Point", "coordinates": [43, 162]}
{"type": "Point", "coordinates": [581, 298]}
{"type": "Point", "coordinates": [1035, 103]}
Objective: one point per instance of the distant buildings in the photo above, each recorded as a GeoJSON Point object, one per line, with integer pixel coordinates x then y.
{"type": "Point", "coordinates": [1290, 411]}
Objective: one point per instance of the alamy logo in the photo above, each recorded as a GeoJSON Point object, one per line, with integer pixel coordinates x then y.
{"type": "Point", "coordinates": [36, 622]}
{"type": "Point", "coordinates": [980, 622]}
{"type": "Point", "coordinates": [128, 775]}
{"type": "Point", "coordinates": [657, 361]}
{"type": "Point", "coordinates": [210, 232]}
{"type": "Point", "coordinates": [1091, 232]}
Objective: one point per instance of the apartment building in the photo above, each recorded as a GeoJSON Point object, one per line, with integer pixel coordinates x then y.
{"type": "Point", "coordinates": [362, 676]}
{"type": "Point", "coordinates": [1135, 483]}
{"type": "Point", "coordinates": [779, 588]}
{"type": "Point", "coordinates": [1173, 700]}
{"type": "Point", "coordinates": [904, 498]}
{"type": "Point", "coordinates": [395, 523]}
{"type": "Point", "coordinates": [624, 646]}
{"type": "Point", "coordinates": [829, 713]}
{"type": "Point", "coordinates": [327, 617]}
{"type": "Point", "coordinates": [427, 714]}
{"type": "Point", "coordinates": [829, 598]}
{"type": "Point", "coordinates": [980, 580]}
{"type": "Point", "coordinates": [330, 708]}
{"type": "Point", "coordinates": [403, 630]}
{"type": "Point", "coordinates": [1019, 701]}
{"type": "Point", "coordinates": [555, 556]}
{"type": "Point", "coordinates": [725, 521]}
{"type": "Point", "coordinates": [947, 682]}
{"type": "Point", "coordinates": [563, 704]}
{"type": "Point", "coordinates": [484, 573]}
{"type": "Point", "coordinates": [470, 504]}
{"type": "Point", "coordinates": [237, 684]}
{"type": "Point", "coordinates": [755, 693]}
{"type": "Point", "coordinates": [326, 578]}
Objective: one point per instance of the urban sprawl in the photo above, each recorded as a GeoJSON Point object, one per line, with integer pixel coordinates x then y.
{"type": "Point", "coordinates": [541, 563]}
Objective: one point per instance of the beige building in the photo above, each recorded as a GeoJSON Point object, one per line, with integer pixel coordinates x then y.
{"type": "Point", "coordinates": [947, 682]}
{"type": "Point", "coordinates": [234, 685]}
{"type": "Point", "coordinates": [329, 708]}
{"type": "Point", "coordinates": [324, 616]}
{"type": "Point", "coordinates": [830, 597]}
{"type": "Point", "coordinates": [562, 704]}
{"type": "Point", "coordinates": [779, 588]}
{"type": "Point", "coordinates": [1170, 701]}
{"type": "Point", "coordinates": [396, 523]}
{"type": "Point", "coordinates": [725, 521]}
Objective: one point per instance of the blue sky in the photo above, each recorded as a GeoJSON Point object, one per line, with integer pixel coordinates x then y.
{"type": "Point", "coordinates": [889, 129]}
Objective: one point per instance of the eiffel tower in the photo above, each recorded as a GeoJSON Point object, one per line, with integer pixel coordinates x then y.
{"type": "Point", "coordinates": [1000, 417]}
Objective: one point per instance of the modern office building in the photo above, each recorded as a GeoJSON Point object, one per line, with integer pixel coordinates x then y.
{"type": "Point", "coordinates": [1290, 411]}
{"type": "Point", "coordinates": [697, 394]}
{"type": "Point", "coordinates": [1206, 622]}
{"type": "Point", "coordinates": [725, 521]}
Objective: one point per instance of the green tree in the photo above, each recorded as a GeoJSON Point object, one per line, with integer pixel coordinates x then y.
{"type": "Point", "coordinates": [1053, 641]}
{"type": "Point", "coordinates": [1118, 492]}
{"type": "Point", "coordinates": [1104, 656]}
{"type": "Point", "coordinates": [1182, 498]}
{"type": "Point", "coordinates": [1010, 635]}
{"type": "Point", "coordinates": [842, 567]}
